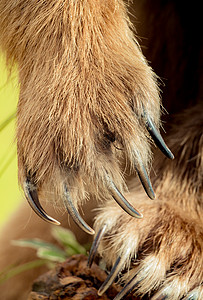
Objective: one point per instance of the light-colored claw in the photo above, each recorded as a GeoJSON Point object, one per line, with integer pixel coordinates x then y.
{"type": "Point", "coordinates": [33, 200]}
{"type": "Point", "coordinates": [120, 199]}
{"type": "Point", "coordinates": [117, 268]}
{"type": "Point", "coordinates": [95, 246]}
{"type": "Point", "coordinates": [75, 214]}
{"type": "Point", "coordinates": [157, 138]}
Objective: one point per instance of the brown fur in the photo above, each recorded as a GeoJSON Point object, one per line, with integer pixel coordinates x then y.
{"type": "Point", "coordinates": [167, 244]}
{"type": "Point", "coordinates": [86, 64]}
{"type": "Point", "coordinates": [83, 84]}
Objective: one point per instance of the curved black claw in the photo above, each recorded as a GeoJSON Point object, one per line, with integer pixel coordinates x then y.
{"type": "Point", "coordinates": [127, 289]}
{"type": "Point", "coordinates": [75, 214]}
{"type": "Point", "coordinates": [117, 268]}
{"type": "Point", "coordinates": [144, 178]}
{"type": "Point", "coordinates": [120, 199]}
{"type": "Point", "coordinates": [95, 246]}
{"type": "Point", "coordinates": [32, 198]}
{"type": "Point", "coordinates": [111, 277]}
{"type": "Point", "coordinates": [157, 138]}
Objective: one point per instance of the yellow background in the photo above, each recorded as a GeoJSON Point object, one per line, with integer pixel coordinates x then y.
{"type": "Point", "coordinates": [10, 194]}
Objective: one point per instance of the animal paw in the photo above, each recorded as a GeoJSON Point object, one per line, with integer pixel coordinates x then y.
{"type": "Point", "coordinates": [159, 256]}
{"type": "Point", "coordinates": [88, 101]}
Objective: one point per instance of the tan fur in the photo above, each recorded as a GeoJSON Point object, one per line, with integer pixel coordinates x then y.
{"type": "Point", "coordinates": [167, 244]}
{"type": "Point", "coordinates": [81, 80]}
{"type": "Point", "coordinates": [83, 84]}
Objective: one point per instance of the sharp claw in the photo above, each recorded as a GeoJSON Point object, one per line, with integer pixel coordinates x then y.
{"type": "Point", "coordinates": [95, 245]}
{"type": "Point", "coordinates": [127, 289]}
{"type": "Point", "coordinates": [146, 183]}
{"type": "Point", "coordinates": [33, 200]}
{"type": "Point", "coordinates": [111, 277]}
{"type": "Point", "coordinates": [75, 214]}
{"type": "Point", "coordinates": [120, 199]}
{"type": "Point", "coordinates": [117, 268]}
{"type": "Point", "coordinates": [156, 136]}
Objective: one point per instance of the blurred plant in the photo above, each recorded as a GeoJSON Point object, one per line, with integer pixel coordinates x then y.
{"type": "Point", "coordinates": [47, 253]}
{"type": "Point", "coordinates": [5, 160]}
{"type": "Point", "coordinates": [7, 121]}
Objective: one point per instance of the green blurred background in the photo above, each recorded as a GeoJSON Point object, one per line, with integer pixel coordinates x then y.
{"type": "Point", "coordinates": [10, 194]}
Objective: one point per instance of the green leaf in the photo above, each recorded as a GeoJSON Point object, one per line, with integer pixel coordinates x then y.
{"type": "Point", "coordinates": [67, 239]}
{"type": "Point", "coordinates": [11, 272]}
{"type": "Point", "coordinates": [42, 247]}
{"type": "Point", "coordinates": [35, 244]}
{"type": "Point", "coordinates": [51, 255]}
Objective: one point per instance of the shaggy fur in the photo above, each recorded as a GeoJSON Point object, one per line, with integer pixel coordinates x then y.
{"type": "Point", "coordinates": [84, 87]}
{"type": "Point", "coordinates": [166, 246]}
{"type": "Point", "coordinates": [83, 83]}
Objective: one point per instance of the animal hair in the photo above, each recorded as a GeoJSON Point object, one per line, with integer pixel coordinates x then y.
{"type": "Point", "coordinates": [77, 60]}
{"type": "Point", "coordinates": [87, 94]}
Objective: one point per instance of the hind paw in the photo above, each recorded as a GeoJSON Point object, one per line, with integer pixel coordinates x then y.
{"type": "Point", "coordinates": [159, 256]}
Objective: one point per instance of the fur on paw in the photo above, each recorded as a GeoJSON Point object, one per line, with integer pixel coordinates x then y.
{"type": "Point", "coordinates": [88, 100]}
{"type": "Point", "coordinates": [159, 256]}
